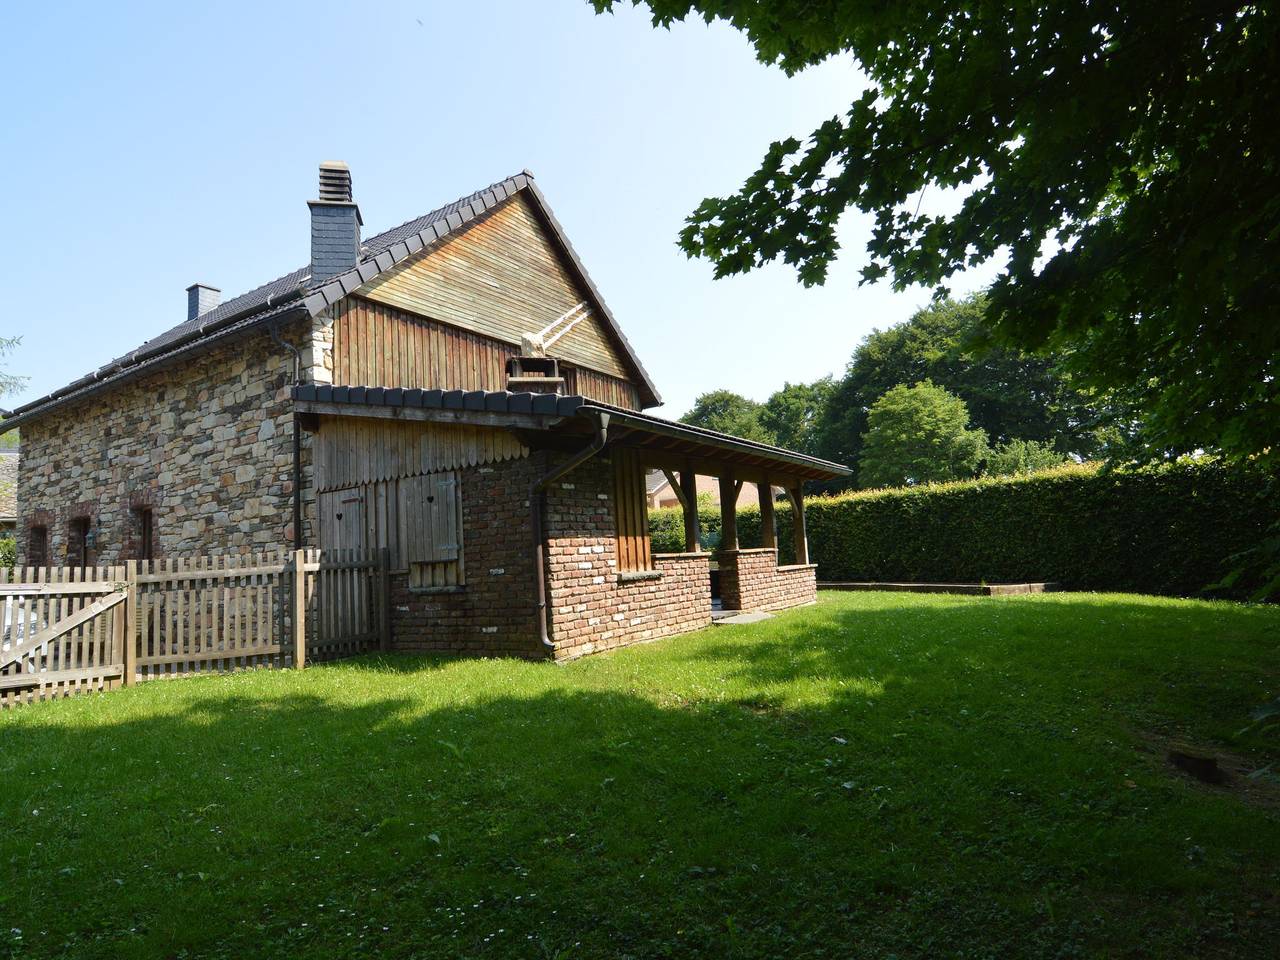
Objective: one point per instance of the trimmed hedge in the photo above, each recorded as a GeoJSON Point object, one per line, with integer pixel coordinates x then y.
{"type": "Point", "coordinates": [1167, 530]}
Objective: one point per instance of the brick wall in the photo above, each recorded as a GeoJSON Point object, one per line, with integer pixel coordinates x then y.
{"type": "Point", "coordinates": [595, 608]}
{"type": "Point", "coordinates": [752, 580]}
{"type": "Point", "coordinates": [493, 613]}
{"type": "Point", "coordinates": [205, 444]}
{"type": "Point", "coordinates": [591, 607]}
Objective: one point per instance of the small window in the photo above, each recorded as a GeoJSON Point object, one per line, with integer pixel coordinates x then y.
{"type": "Point", "coordinates": [631, 506]}
{"type": "Point", "coordinates": [38, 546]}
{"type": "Point", "coordinates": [79, 533]}
{"type": "Point", "coordinates": [145, 529]}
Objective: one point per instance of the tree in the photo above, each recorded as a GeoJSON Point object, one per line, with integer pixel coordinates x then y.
{"type": "Point", "coordinates": [9, 383]}
{"type": "Point", "coordinates": [1123, 156]}
{"type": "Point", "coordinates": [919, 434]}
{"type": "Point", "coordinates": [728, 412]}
{"type": "Point", "coordinates": [1021, 456]}
{"type": "Point", "coordinates": [793, 414]}
{"type": "Point", "coordinates": [1010, 394]}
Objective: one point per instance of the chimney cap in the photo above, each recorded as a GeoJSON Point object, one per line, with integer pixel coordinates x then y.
{"type": "Point", "coordinates": [335, 182]}
{"type": "Point", "coordinates": [203, 286]}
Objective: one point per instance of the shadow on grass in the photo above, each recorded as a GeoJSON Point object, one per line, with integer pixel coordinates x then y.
{"type": "Point", "coordinates": [337, 813]}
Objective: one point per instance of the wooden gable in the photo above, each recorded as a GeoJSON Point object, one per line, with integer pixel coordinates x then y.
{"type": "Point", "coordinates": [502, 277]}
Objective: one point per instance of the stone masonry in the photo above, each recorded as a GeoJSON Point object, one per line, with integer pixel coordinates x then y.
{"type": "Point", "coordinates": [204, 444]}
{"type": "Point", "coordinates": [752, 580]}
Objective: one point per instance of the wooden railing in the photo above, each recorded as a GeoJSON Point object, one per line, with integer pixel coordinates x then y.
{"type": "Point", "coordinates": [66, 630]}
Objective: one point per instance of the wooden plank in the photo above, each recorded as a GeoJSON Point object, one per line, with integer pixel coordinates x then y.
{"type": "Point", "coordinates": [50, 677]}
{"type": "Point", "coordinates": [799, 534]}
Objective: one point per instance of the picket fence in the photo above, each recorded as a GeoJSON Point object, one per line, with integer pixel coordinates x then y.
{"type": "Point", "coordinates": [70, 630]}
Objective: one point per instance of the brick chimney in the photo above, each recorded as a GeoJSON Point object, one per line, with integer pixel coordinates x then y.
{"type": "Point", "coordinates": [201, 299]}
{"type": "Point", "coordinates": [335, 224]}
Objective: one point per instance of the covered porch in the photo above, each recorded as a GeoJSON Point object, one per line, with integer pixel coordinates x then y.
{"type": "Point", "coordinates": [745, 579]}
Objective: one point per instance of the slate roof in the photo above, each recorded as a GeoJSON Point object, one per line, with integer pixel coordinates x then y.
{"type": "Point", "coordinates": [545, 404]}
{"type": "Point", "coordinates": [294, 292]}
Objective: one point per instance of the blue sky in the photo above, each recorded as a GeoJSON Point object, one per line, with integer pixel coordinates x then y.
{"type": "Point", "coordinates": [147, 146]}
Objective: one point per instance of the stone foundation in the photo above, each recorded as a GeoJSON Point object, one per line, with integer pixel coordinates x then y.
{"type": "Point", "coordinates": [752, 580]}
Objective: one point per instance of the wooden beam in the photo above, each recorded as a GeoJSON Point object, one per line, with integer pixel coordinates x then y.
{"type": "Point", "coordinates": [674, 484]}
{"type": "Point", "coordinates": [768, 522]}
{"type": "Point", "coordinates": [728, 511]}
{"type": "Point", "coordinates": [798, 532]}
{"type": "Point", "coordinates": [692, 523]}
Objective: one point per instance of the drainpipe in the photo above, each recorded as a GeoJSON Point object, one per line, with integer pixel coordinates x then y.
{"type": "Point", "coordinates": [297, 438]}
{"type": "Point", "coordinates": [537, 495]}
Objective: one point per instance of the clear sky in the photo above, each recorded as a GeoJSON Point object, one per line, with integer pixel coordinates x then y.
{"type": "Point", "coordinates": [147, 146]}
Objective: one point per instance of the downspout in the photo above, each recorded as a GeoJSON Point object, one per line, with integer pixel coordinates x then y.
{"type": "Point", "coordinates": [537, 494]}
{"type": "Point", "coordinates": [297, 438]}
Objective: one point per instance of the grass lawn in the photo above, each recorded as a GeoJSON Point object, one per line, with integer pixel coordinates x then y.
{"type": "Point", "coordinates": [880, 774]}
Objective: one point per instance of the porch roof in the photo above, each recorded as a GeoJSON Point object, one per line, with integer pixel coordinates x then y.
{"type": "Point", "coordinates": [664, 443]}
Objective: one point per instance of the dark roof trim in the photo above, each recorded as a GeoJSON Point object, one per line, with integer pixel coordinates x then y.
{"type": "Point", "coordinates": [455, 221]}
{"type": "Point", "coordinates": [645, 423]}
{"type": "Point", "coordinates": [541, 405]}
{"type": "Point", "coordinates": [115, 374]}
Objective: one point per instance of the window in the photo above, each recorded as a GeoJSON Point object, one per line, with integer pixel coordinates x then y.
{"type": "Point", "coordinates": [144, 527]}
{"type": "Point", "coordinates": [38, 546]}
{"type": "Point", "coordinates": [78, 542]}
{"type": "Point", "coordinates": [631, 508]}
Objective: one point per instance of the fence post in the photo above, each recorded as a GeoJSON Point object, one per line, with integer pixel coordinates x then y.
{"type": "Point", "coordinates": [129, 639]}
{"type": "Point", "coordinates": [384, 600]}
{"type": "Point", "coordinates": [299, 609]}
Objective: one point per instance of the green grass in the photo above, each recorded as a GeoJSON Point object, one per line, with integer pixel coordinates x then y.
{"type": "Point", "coordinates": [880, 774]}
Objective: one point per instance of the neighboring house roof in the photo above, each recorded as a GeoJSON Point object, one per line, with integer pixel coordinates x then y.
{"type": "Point", "coordinates": [294, 293]}
{"type": "Point", "coordinates": [8, 485]}
{"type": "Point", "coordinates": [666, 435]}
{"type": "Point", "coordinates": [654, 482]}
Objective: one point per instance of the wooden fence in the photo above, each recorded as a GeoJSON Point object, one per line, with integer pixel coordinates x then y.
{"type": "Point", "coordinates": [67, 630]}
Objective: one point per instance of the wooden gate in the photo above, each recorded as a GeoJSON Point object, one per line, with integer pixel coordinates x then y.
{"type": "Point", "coordinates": [61, 631]}
{"type": "Point", "coordinates": [66, 630]}
{"type": "Point", "coordinates": [347, 607]}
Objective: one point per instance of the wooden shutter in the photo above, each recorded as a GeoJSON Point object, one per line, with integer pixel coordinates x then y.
{"type": "Point", "coordinates": [429, 518]}
{"type": "Point", "coordinates": [631, 506]}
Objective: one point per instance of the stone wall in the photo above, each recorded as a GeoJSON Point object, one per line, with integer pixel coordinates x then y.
{"type": "Point", "coordinates": [205, 445]}
{"type": "Point", "coordinates": [593, 606]}
{"type": "Point", "coordinates": [752, 580]}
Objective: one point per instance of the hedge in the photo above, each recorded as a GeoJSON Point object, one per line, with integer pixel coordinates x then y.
{"type": "Point", "coordinates": [1168, 530]}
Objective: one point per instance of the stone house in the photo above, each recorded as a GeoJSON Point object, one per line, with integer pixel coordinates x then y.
{"type": "Point", "coordinates": [454, 391]}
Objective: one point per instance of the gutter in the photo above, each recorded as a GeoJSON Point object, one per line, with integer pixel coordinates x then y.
{"type": "Point", "coordinates": [537, 496]}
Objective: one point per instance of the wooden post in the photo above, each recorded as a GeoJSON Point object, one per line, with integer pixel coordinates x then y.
{"type": "Point", "coordinates": [728, 511]}
{"type": "Point", "coordinates": [692, 522]}
{"type": "Point", "coordinates": [768, 522]}
{"type": "Point", "coordinates": [299, 609]}
{"type": "Point", "coordinates": [798, 531]}
{"type": "Point", "coordinates": [384, 600]}
{"type": "Point", "coordinates": [129, 635]}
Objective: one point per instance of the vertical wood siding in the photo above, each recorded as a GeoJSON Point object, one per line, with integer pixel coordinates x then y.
{"type": "Point", "coordinates": [631, 506]}
{"type": "Point", "coordinates": [350, 451]}
{"type": "Point", "coordinates": [501, 277]}
{"type": "Point", "coordinates": [377, 345]}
